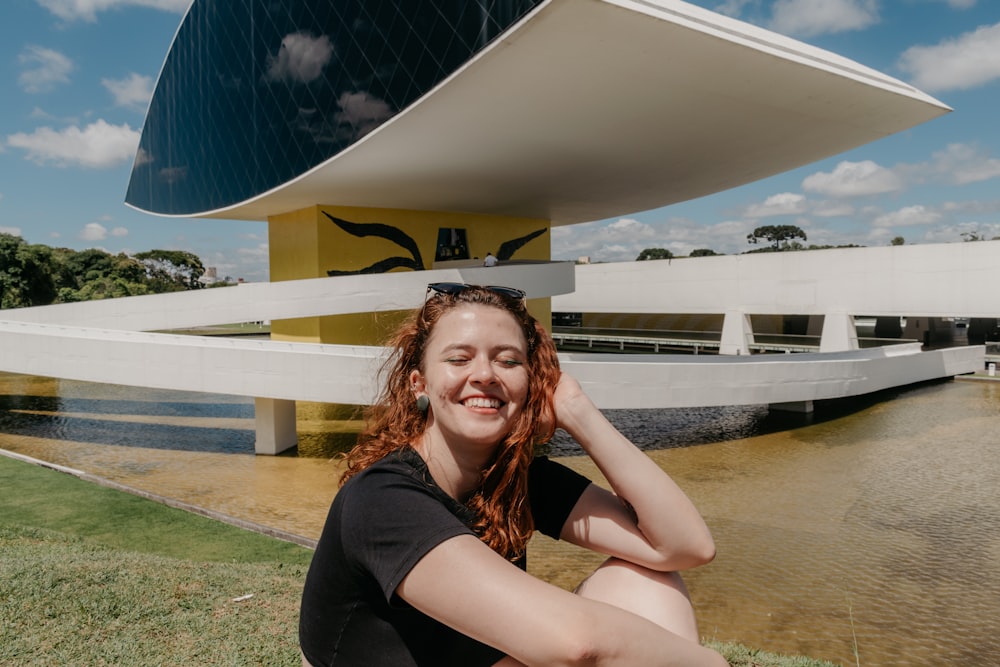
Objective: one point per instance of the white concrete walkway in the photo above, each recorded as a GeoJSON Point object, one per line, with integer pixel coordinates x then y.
{"type": "Point", "coordinates": [109, 341]}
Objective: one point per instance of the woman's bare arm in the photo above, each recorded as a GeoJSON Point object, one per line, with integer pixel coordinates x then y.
{"type": "Point", "coordinates": [467, 586]}
{"type": "Point", "coordinates": [648, 519]}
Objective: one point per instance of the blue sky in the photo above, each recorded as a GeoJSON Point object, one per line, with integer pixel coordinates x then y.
{"type": "Point", "coordinates": [77, 75]}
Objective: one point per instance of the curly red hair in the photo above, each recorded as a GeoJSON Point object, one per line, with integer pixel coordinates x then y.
{"type": "Point", "coordinates": [500, 502]}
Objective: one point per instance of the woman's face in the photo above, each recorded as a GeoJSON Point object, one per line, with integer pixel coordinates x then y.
{"type": "Point", "coordinates": [475, 374]}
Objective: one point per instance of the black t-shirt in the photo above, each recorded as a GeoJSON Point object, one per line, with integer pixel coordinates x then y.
{"type": "Point", "coordinates": [381, 523]}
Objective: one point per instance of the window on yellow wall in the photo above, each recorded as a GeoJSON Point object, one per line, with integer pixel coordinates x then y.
{"type": "Point", "coordinates": [451, 244]}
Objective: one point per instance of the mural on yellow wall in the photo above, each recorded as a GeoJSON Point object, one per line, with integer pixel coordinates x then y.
{"type": "Point", "coordinates": [388, 232]}
{"type": "Point", "coordinates": [397, 236]}
{"type": "Point", "coordinates": [508, 248]}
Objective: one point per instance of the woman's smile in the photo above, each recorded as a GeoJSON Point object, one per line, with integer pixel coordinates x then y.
{"type": "Point", "coordinates": [481, 402]}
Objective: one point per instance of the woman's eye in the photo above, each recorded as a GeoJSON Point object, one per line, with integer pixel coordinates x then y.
{"type": "Point", "coordinates": [456, 360]}
{"type": "Point", "coordinates": [510, 363]}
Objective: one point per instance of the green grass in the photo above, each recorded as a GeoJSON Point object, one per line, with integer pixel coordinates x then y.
{"type": "Point", "coordinates": [94, 576]}
{"type": "Point", "coordinates": [36, 497]}
{"type": "Point", "coordinates": [739, 655]}
{"type": "Point", "coordinates": [65, 601]}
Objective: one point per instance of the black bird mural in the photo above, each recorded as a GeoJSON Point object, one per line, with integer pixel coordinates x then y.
{"type": "Point", "coordinates": [414, 261]}
{"type": "Point", "coordinates": [397, 236]}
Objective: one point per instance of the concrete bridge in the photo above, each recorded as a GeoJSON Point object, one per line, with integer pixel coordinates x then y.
{"type": "Point", "coordinates": [115, 341]}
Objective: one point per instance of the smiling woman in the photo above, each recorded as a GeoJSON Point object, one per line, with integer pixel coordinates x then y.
{"type": "Point", "coordinates": [422, 559]}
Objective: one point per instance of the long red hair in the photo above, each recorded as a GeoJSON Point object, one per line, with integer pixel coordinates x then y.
{"type": "Point", "coordinates": [500, 502]}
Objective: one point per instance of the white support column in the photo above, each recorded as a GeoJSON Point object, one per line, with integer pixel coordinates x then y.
{"type": "Point", "coordinates": [274, 420]}
{"type": "Point", "coordinates": [737, 333]}
{"type": "Point", "coordinates": [839, 333]}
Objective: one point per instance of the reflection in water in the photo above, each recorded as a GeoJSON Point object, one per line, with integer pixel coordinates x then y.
{"type": "Point", "coordinates": [878, 520]}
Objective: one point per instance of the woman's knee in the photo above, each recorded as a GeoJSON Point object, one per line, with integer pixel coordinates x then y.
{"type": "Point", "coordinates": [661, 597]}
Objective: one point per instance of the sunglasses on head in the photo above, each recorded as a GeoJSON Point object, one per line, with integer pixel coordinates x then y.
{"type": "Point", "coordinates": [454, 289]}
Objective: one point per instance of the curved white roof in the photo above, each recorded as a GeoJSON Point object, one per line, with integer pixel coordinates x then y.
{"type": "Point", "coordinates": [589, 109]}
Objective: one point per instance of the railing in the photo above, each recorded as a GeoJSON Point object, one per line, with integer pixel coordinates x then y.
{"type": "Point", "coordinates": [695, 342]}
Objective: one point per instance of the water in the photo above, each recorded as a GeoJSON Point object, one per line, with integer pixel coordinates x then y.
{"type": "Point", "coordinates": [872, 525]}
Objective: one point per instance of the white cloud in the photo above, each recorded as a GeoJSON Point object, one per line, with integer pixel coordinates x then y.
{"type": "Point", "coordinates": [623, 239]}
{"type": "Point", "coordinates": [832, 209]}
{"type": "Point", "coordinates": [785, 203]}
{"type": "Point", "coordinates": [731, 7]}
{"type": "Point", "coordinates": [956, 164]}
{"type": "Point", "coordinates": [93, 231]}
{"type": "Point", "coordinates": [853, 179]}
{"type": "Point", "coordinates": [40, 113]}
{"type": "Point", "coordinates": [961, 4]}
{"type": "Point", "coordinates": [972, 206]}
{"type": "Point", "coordinates": [962, 164]}
{"type": "Point", "coordinates": [133, 91]}
{"type": "Point", "coordinates": [13, 231]}
{"type": "Point", "coordinates": [363, 112]}
{"type": "Point", "coordinates": [618, 241]}
{"type": "Point", "coordinates": [818, 17]}
{"type": "Point", "coordinates": [119, 232]}
{"type": "Point", "coordinates": [300, 59]}
{"type": "Point", "coordinates": [71, 10]}
{"type": "Point", "coordinates": [953, 233]}
{"type": "Point", "coordinates": [98, 145]}
{"type": "Point", "coordinates": [44, 69]}
{"type": "Point", "coordinates": [909, 215]}
{"type": "Point", "coordinates": [966, 61]}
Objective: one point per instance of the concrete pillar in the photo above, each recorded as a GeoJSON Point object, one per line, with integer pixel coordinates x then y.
{"type": "Point", "coordinates": [274, 420]}
{"type": "Point", "coordinates": [839, 333]}
{"type": "Point", "coordinates": [804, 407]}
{"type": "Point", "coordinates": [737, 333]}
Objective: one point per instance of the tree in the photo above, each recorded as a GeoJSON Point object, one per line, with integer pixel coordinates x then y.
{"type": "Point", "coordinates": [26, 273]}
{"type": "Point", "coordinates": [97, 274]}
{"type": "Point", "coordinates": [898, 240]}
{"type": "Point", "coordinates": [703, 252]}
{"type": "Point", "coordinates": [781, 237]}
{"type": "Point", "coordinates": [654, 253]}
{"type": "Point", "coordinates": [172, 270]}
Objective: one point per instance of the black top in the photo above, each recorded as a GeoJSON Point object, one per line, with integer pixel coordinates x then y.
{"type": "Point", "coordinates": [381, 523]}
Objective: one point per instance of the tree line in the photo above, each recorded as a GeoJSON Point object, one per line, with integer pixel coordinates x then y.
{"type": "Point", "coordinates": [39, 275]}
{"type": "Point", "coordinates": [781, 238]}
{"type": "Point", "coordinates": [770, 238]}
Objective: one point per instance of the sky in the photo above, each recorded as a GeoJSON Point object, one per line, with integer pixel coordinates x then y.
{"type": "Point", "coordinates": [77, 76]}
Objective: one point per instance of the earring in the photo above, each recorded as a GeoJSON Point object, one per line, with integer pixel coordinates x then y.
{"type": "Point", "coordinates": [423, 402]}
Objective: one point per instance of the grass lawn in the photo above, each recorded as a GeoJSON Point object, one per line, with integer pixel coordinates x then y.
{"type": "Point", "coordinates": [95, 576]}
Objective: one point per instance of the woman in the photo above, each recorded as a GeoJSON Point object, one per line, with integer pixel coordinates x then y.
{"type": "Point", "coordinates": [421, 561]}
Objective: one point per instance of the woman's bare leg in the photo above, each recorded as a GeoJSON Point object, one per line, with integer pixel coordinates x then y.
{"type": "Point", "coordinates": [660, 597]}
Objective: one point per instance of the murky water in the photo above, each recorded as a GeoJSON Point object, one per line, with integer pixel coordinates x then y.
{"type": "Point", "coordinates": [871, 526]}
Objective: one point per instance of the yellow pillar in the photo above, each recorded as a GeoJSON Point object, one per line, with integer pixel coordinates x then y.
{"type": "Point", "coordinates": [326, 240]}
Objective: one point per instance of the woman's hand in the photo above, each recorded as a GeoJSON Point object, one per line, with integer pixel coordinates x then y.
{"type": "Point", "coordinates": [571, 404]}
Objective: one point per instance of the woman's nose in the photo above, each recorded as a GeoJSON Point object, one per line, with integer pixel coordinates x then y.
{"type": "Point", "coordinates": [483, 371]}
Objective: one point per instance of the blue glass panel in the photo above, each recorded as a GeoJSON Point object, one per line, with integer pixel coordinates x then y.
{"type": "Point", "coordinates": [255, 93]}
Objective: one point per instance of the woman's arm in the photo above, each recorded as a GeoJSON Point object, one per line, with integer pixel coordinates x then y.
{"type": "Point", "coordinates": [467, 586]}
{"type": "Point", "coordinates": [648, 520]}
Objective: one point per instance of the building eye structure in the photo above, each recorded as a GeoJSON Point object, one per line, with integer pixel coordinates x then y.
{"type": "Point", "coordinates": [254, 94]}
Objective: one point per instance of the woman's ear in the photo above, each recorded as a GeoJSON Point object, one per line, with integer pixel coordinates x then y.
{"type": "Point", "coordinates": [417, 385]}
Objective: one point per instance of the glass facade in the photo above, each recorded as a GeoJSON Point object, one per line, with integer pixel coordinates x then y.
{"type": "Point", "coordinates": [254, 93]}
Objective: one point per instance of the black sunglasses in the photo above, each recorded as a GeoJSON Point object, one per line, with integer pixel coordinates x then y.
{"type": "Point", "coordinates": [454, 289]}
